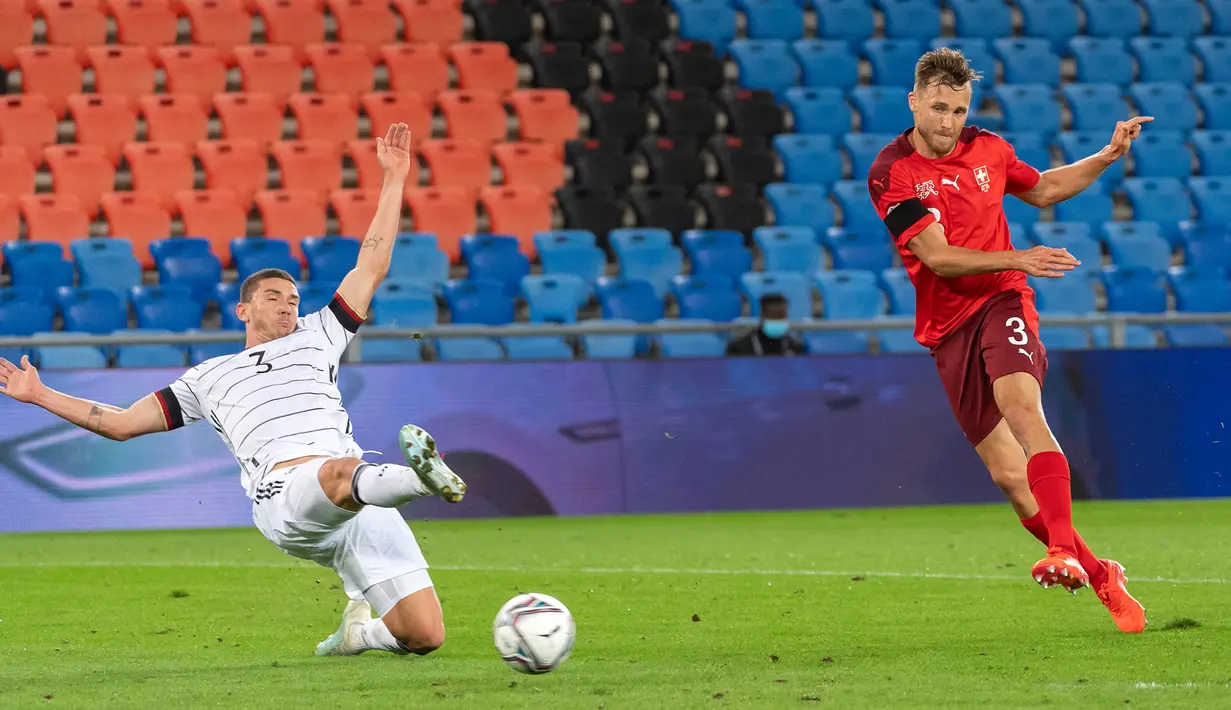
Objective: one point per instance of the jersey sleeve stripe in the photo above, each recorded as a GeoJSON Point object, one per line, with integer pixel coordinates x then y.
{"type": "Point", "coordinates": [171, 412]}
{"type": "Point", "coordinates": [345, 314]}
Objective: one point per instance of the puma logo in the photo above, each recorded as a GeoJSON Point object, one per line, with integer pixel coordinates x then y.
{"type": "Point", "coordinates": [1029, 356]}
{"type": "Point", "coordinates": [880, 182]}
{"type": "Point", "coordinates": [953, 182]}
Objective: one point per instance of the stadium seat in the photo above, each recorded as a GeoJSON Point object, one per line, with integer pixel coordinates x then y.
{"type": "Point", "coordinates": [1162, 154]}
{"type": "Point", "coordinates": [23, 312]}
{"type": "Point", "coordinates": [710, 21]}
{"type": "Point", "coordinates": [16, 179]}
{"type": "Point", "coordinates": [1174, 18]}
{"type": "Point", "coordinates": [712, 297]}
{"type": "Point", "coordinates": [1135, 336]}
{"type": "Point", "coordinates": [1075, 237]}
{"type": "Point", "coordinates": [737, 207]}
{"type": "Point", "coordinates": [664, 206]}
{"type": "Point", "coordinates": [1027, 60]}
{"type": "Point", "coordinates": [1161, 200]}
{"type": "Point", "coordinates": [884, 109]}
{"type": "Point", "coordinates": [254, 117]}
{"type": "Point", "coordinates": [1169, 103]}
{"type": "Point", "coordinates": [169, 307]}
{"type": "Point", "coordinates": [313, 166]}
{"type": "Point", "coordinates": [291, 214]}
{"type": "Point", "coordinates": [765, 64]}
{"type": "Point", "coordinates": [829, 63]}
{"type": "Point", "coordinates": [1112, 18]}
{"type": "Point", "coordinates": [145, 23]}
{"type": "Point", "coordinates": [235, 165]}
{"type": "Point", "coordinates": [747, 161]}
{"type": "Point", "coordinates": [399, 304]}
{"type": "Point", "coordinates": [447, 212]}
{"type": "Point", "coordinates": [194, 70]}
{"type": "Point", "coordinates": [688, 111]}
{"type": "Point", "coordinates": [1092, 206]}
{"type": "Point", "coordinates": [597, 210]}
{"type": "Point", "coordinates": [984, 19]}
{"type": "Point", "coordinates": [418, 258]}
{"type": "Point", "coordinates": [858, 213]}
{"type": "Point", "coordinates": [629, 299]}
{"type": "Point", "coordinates": [535, 347]}
{"type": "Point", "coordinates": [631, 64]}
{"type": "Point", "coordinates": [227, 296]}
{"type": "Point", "coordinates": [436, 21]}
{"type": "Point", "coordinates": [501, 21]}
{"type": "Point", "coordinates": [672, 161]}
{"type": "Point", "coordinates": [508, 266]}
{"type": "Point", "coordinates": [1029, 108]}
{"type": "Point", "coordinates": [364, 22]}
{"type": "Point", "coordinates": [355, 210]}
{"type": "Point", "coordinates": [219, 24]}
{"type": "Point", "coordinates": [1215, 56]}
{"type": "Point", "coordinates": [160, 170]}
{"type": "Point", "coordinates": [1215, 102]}
{"type": "Point", "coordinates": [416, 67]}
{"type": "Point", "coordinates": [850, 294]}
{"type": "Point", "coordinates": [124, 71]}
{"type": "Point", "coordinates": [251, 254]}
{"type": "Point", "coordinates": [534, 165]}
{"type": "Point", "coordinates": [1062, 338]}
{"type": "Point", "coordinates": [554, 299]}
{"type": "Point", "coordinates": [1212, 196]}
{"type": "Point", "coordinates": [717, 252]}
{"type": "Point", "coordinates": [1162, 59]}
{"type": "Point", "coordinates": [559, 65]}
{"type": "Point", "coordinates": [520, 211]}
{"type": "Point", "coordinates": [693, 63]}
{"type": "Point", "coordinates": [188, 261]}
{"type": "Point", "coordinates": [647, 255]}
{"type": "Point", "coordinates": [385, 108]}
{"type": "Point", "coordinates": [819, 110]}
{"type": "Point", "coordinates": [28, 121]}
{"type": "Point", "coordinates": [1102, 60]}
{"type": "Point", "coordinates": [82, 171]}
{"type": "Point", "coordinates": [328, 117]}
{"type": "Point", "coordinates": [330, 259]}
{"type": "Point", "coordinates": [59, 218]}
{"type": "Point", "coordinates": [50, 71]}
{"type": "Point", "coordinates": [863, 149]}
{"type": "Point", "coordinates": [788, 249]}
{"type": "Point", "coordinates": [558, 239]}
{"type": "Point", "coordinates": [493, 243]}
{"type": "Point", "coordinates": [1213, 152]}
{"type": "Point", "coordinates": [616, 115]}
{"type": "Point", "coordinates": [792, 286]}
{"type": "Point", "coordinates": [315, 296]}
{"type": "Point", "coordinates": [269, 69]}
{"type": "Point", "coordinates": [174, 118]}
{"type": "Point", "coordinates": [146, 354]}
{"type": "Point", "coordinates": [139, 217]}
{"type": "Point", "coordinates": [39, 266]}
{"type": "Point", "coordinates": [690, 345]}
{"type": "Point", "coordinates": [1195, 335]}
{"type": "Point", "coordinates": [856, 250]}
{"type": "Point", "coordinates": [16, 30]}
{"type": "Point", "coordinates": [1211, 251]}
{"type": "Point", "coordinates": [1138, 290]}
{"type": "Point", "coordinates": [479, 301]}
{"type": "Point", "coordinates": [1055, 20]}
{"type": "Point", "coordinates": [104, 120]}
{"type": "Point", "coordinates": [75, 24]}
{"type": "Point", "coordinates": [545, 115]}
{"type": "Point", "coordinates": [583, 260]}
{"type": "Point", "coordinates": [1079, 145]}
{"type": "Point", "coordinates": [92, 310]}
{"type": "Point", "coordinates": [340, 69]}
{"type": "Point", "coordinates": [809, 158]}
{"type": "Point", "coordinates": [893, 60]}
{"type": "Point", "coordinates": [751, 113]}
{"type": "Point", "coordinates": [1066, 295]}
{"type": "Point", "coordinates": [464, 164]}
{"type": "Point", "coordinates": [106, 263]}
{"type": "Point", "coordinates": [368, 172]}
{"type": "Point", "coordinates": [469, 349]}
{"type": "Point", "coordinates": [1200, 289]}
{"type": "Point", "coordinates": [910, 19]}
{"type": "Point", "coordinates": [484, 66]}
{"type": "Point", "coordinates": [772, 19]}
{"type": "Point", "coordinates": [900, 291]}
{"type": "Point", "coordinates": [598, 164]}
{"type": "Point", "coordinates": [293, 24]}
{"type": "Point", "coordinates": [845, 20]}
{"type": "Point", "coordinates": [68, 357]}
{"type": "Point", "coordinates": [214, 215]}
{"type": "Point", "coordinates": [638, 19]}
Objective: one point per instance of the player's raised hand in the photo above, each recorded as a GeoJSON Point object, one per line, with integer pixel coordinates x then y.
{"type": "Point", "coordinates": [393, 151]}
{"type": "Point", "coordinates": [1122, 138]}
{"type": "Point", "coordinates": [1046, 262]}
{"type": "Point", "coordinates": [20, 383]}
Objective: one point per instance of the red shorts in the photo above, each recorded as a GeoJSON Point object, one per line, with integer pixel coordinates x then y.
{"type": "Point", "coordinates": [1001, 338]}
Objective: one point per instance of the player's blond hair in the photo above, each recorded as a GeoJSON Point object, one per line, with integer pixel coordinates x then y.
{"type": "Point", "coordinates": [944, 67]}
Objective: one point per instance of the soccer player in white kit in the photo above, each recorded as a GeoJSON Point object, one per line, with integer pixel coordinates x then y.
{"type": "Point", "coordinates": [276, 405]}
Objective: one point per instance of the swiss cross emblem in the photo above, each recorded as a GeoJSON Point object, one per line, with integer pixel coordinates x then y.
{"type": "Point", "coordinates": [981, 178]}
{"type": "Point", "coordinates": [924, 189]}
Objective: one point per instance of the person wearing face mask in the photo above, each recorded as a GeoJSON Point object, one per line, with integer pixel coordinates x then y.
{"type": "Point", "coordinates": [771, 338]}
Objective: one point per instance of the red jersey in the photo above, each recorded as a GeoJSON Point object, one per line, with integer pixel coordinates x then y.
{"type": "Point", "coordinates": [963, 192]}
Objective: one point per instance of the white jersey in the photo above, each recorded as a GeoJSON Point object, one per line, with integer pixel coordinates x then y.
{"type": "Point", "coordinates": [276, 401]}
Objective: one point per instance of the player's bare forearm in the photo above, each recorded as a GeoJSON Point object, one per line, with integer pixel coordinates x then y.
{"type": "Point", "coordinates": [115, 423]}
{"type": "Point", "coordinates": [948, 261]}
{"type": "Point", "coordinates": [1059, 184]}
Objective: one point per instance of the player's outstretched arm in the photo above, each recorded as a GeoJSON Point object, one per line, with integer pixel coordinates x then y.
{"type": "Point", "coordinates": [949, 261]}
{"type": "Point", "coordinates": [23, 384]}
{"type": "Point", "coordinates": [1059, 184]}
{"type": "Point", "coordinates": [393, 152]}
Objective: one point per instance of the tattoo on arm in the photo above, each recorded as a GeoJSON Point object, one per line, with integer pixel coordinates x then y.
{"type": "Point", "coordinates": [371, 242]}
{"type": "Point", "coordinates": [93, 422]}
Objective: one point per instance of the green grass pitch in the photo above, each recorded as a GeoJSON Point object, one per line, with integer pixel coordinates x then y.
{"type": "Point", "coordinates": [911, 608]}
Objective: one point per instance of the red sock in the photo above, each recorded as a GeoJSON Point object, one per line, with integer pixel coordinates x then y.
{"type": "Point", "coordinates": [1092, 564]}
{"type": "Point", "coordinates": [1048, 475]}
{"type": "Point", "coordinates": [1036, 527]}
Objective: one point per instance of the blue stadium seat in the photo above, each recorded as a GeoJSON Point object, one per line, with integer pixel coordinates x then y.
{"type": "Point", "coordinates": [503, 265]}
{"type": "Point", "coordinates": [867, 250]}
{"type": "Point", "coordinates": [1102, 60]}
{"type": "Point", "coordinates": [469, 349]}
{"type": "Point", "coordinates": [17, 250]}
{"type": "Point", "coordinates": [899, 341]}
{"type": "Point", "coordinates": [1054, 20]}
{"type": "Point", "coordinates": [1181, 19]}
{"type": "Point", "coordinates": [315, 295]}
{"type": "Point", "coordinates": [842, 342]}
{"type": "Point", "coordinates": [1162, 154]}
{"type": "Point", "coordinates": [820, 110]}
{"type": "Point", "coordinates": [811, 159]}
{"type": "Point", "coordinates": [850, 294]}
{"type": "Point", "coordinates": [901, 292]}
{"type": "Point", "coordinates": [1164, 59]}
{"type": "Point", "coordinates": [710, 21]}
{"type": "Point", "coordinates": [1076, 145]}
{"type": "Point", "coordinates": [849, 20]}
{"type": "Point", "coordinates": [1018, 212]}
{"type": "Point", "coordinates": [1195, 335]}
{"type": "Point", "coordinates": [1138, 337]}
{"type": "Point", "coordinates": [23, 311]}
{"type": "Point", "coordinates": [1092, 206]}
{"type": "Point", "coordinates": [1112, 18]}
{"type": "Point", "coordinates": [1096, 107]}
{"type": "Point", "coordinates": [1135, 290]}
{"type": "Point", "coordinates": [711, 297]}
{"type": "Point", "coordinates": [800, 205]}
{"type": "Point", "coordinates": [42, 268]}
{"type": "Point", "coordinates": [830, 62]}
{"type": "Point", "coordinates": [147, 355]}
{"type": "Point", "coordinates": [472, 243]}
{"type": "Point", "coordinates": [977, 50]}
{"type": "Point", "coordinates": [170, 307]}
{"type": "Point", "coordinates": [399, 304]}
{"type": "Point", "coordinates": [1028, 60]}
{"type": "Point", "coordinates": [200, 352]}
{"type": "Point", "coordinates": [93, 310]}
{"type": "Point", "coordinates": [717, 252]}
{"type": "Point", "coordinates": [765, 64]}
{"type": "Point", "coordinates": [563, 239]}
{"type": "Point", "coordinates": [772, 19]}
{"type": "Point", "coordinates": [1200, 289]}
{"type": "Point", "coordinates": [1071, 294]}
{"type": "Point", "coordinates": [1030, 148]}
{"type": "Point", "coordinates": [647, 255]}
{"type": "Point", "coordinates": [177, 246]}
{"type": "Point", "coordinates": [330, 259]}
{"type": "Point", "coordinates": [1113, 230]}
{"type": "Point", "coordinates": [106, 262]}
{"type": "Point", "coordinates": [1139, 250]}
{"type": "Point", "coordinates": [1220, 17]}
{"type": "Point", "coordinates": [1169, 103]}
{"type": "Point", "coordinates": [1215, 100]}
{"type": "Point", "coordinates": [554, 299]}
{"type": "Point", "coordinates": [1020, 237]}
{"type": "Point", "coordinates": [910, 19]}
{"type": "Point", "coordinates": [882, 109]}
{"type": "Point", "coordinates": [1215, 56]}
{"type": "Point", "coordinates": [535, 347]}
{"type": "Point", "coordinates": [1073, 236]}
{"type": "Point", "coordinates": [1213, 151]}
{"type": "Point", "coordinates": [677, 345]}
{"type": "Point", "coordinates": [227, 295]}
{"type": "Point", "coordinates": [1029, 108]}
{"type": "Point", "coordinates": [609, 347]}
{"type": "Point", "coordinates": [1061, 338]}
{"type": "Point", "coordinates": [984, 19]}
{"type": "Point", "coordinates": [1214, 250]}
{"type": "Point", "coordinates": [68, 357]}
{"type": "Point", "coordinates": [585, 262]}
{"type": "Point", "coordinates": [858, 213]}
{"type": "Point", "coordinates": [893, 62]}
{"type": "Point", "coordinates": [629, 299]}
{"type": "Point", "coordinates": [1212, 196]}
{"type": "Point", "coordinates": [788, 248]}
{"type": "Point", "coordinates": [1162, 200]}
{"type": "Point", "coordinates": [418, 257]}
{"type": "Point", "coordinates": [251, 254]}
{"type": "Point", "coordinates": [479, 301]}
{"type": "Point", "coordinates": [790, 285]}
{"type": "Point", "coordinates": [863, 149]}
{"type": "Point", "coordinates": [188, 261]}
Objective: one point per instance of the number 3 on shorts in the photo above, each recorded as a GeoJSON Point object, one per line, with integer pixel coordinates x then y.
{"type": "Point", "coordinates": [1019, 336]}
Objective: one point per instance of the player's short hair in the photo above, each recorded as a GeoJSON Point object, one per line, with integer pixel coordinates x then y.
{"type": "Point", "coordinates": [944, 67]}
{"type": "Point", "coordinates": [773, 300]}
{"type": "Point", "coordinates": [248, 289]}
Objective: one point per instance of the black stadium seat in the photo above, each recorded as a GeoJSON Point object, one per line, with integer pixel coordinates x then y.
{"type": "Point", "coordinates": [559, 65]}
{"type": "Point", "coordinates": [615, 115]}
{"type": "Point", "coordinates": [639, 19]}
{"type": "Point", "coordinates": [751, 113]}
{"type": "Point", "coordinates": [598, 210]}
{"type": "Point", "coordinates": [685, 112]}
{"type": "Point", "coordinates": [673, 160]}
{"type": "Point", "coordinates": [598, 163]}
{"type": "Point", "coordinates": [505, 21]}
{"type": "Point", "coordinates": [735, 207]}
{"type": "Point", "coordinates": [744, 160]}
{"type": "Point", "coordinates": [628, 65]}
{"type": "Point", "coordinates": [663, 206]}
{"type": "Point", "coordinates": [571, 20]}
{"type": "Point", "coordinates": [693, 64]}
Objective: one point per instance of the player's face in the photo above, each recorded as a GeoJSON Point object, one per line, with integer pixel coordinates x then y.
{"type": "Point", "coordinates": [273, 311]}
{"type": "Point", "coordinates": [940, 115]}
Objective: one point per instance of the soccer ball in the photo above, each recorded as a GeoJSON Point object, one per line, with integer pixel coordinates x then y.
{"type": "Point", "coordinates": [534, 633]}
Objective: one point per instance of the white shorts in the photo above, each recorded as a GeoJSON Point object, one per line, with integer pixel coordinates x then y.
{"type": "Point", "coordinates": [366, 548]}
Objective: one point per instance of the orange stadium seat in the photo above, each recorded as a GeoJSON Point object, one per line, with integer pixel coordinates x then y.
{"type": "Point", "coordinates": [54, 218]}
{"type": "Point", "coordinates": [146, 23]}
{"type": "Point", "coordinates": [214, 215]}
{"type": "Point", "coordinates": [139, 217]}
{"type": "Point", "coordinates": [107, 120]}
{"type": "Point", "coordinates": [291, 215]}
{"type": "Point", "coordinates": [416, 67]}
{"type": "Point", "coordinates": [355, 210]}
{"type": "Point", "coordinates": [384, 108]}
{"type": "Point", "coordinates": [545, 116]}
{"type": "Point", "coordinates": [199, 71]}
{"type": "Point", "coordinates": [52, 72]}
{"type": "Point", "coordinates": [28, 121]}
{"type": "Point", "coordinates": [178, 118]}
{"type": "Point", "coordinates": [160, 169]}
{"type": "Point", "coordinates": [292, 23]}
{"type": "Point", "coordinates": [519, 211]}
{"type": "Point", "coordinates": [463, 164]}
{"type": "Point", "coordinates": [269, 69]}
{"type": "Point", "coordinates": [341, 69]}
{"type": "Point", "coordinates": [368, 173]}
{"type": "Point", "coordinates": [222, 24]}
{"type": "Point", "coordinates": [249, 117]}
{"type": "Point", "coordinates": [80, 170]}
{"type": "Point", "coordinates": [16, 30]}
{"type": "Point", "coordinates": [439, 21]}
{"type": "Point", "coordinates": [311, 165]}
{"type": "Point", "coordinates": [78, 24]}
{"type": "Point", "coordinates": [10, 221]}
{"type": "Point", "coordinates": [474, 115]}
{"type": "Point", "coordinates": [530, 165]}
{"type": "Point", "coordinates": [235, 165]}
{"type": "Point", "coordinates": [328, 117]}
{"type": "Point", "coordinates": [16, 171]}
{"type": "Point", "coordinates": [126, 71]}
{"type": "Point", "coordinates": [365, 22]}
{"type": "Point", "coordinates": [484, 65]}
{"type": "Point", "coordinates": [447, 212]}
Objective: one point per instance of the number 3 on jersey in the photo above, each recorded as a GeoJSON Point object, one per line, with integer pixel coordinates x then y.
{"type": "Point", "coordinates": [1019, 337]}
{"type": "Point", "coordinates": [260, 362]}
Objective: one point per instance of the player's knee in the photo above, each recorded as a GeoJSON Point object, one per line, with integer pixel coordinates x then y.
{"type": "Point", "coordinates": [338, 472]}
{"type": "Point", "coordinates": [425, 638]}
{"type": "Point", "coordinates": [1022, 416]}
{"type": "Point", "coordinates": [1011, 480]}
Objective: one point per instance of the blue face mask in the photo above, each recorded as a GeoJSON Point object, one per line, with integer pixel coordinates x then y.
{"type": "Point", "coordinates": [774, 328]}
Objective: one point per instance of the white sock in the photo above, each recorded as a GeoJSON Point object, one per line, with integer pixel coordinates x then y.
{"type": "Point", "coordinates": [376, 637]}
{"type": "Point", "coordinates": [386, 485]}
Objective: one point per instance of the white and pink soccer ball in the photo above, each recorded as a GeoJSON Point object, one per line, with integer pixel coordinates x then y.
{"type": "Point", "coordinates": [534, 633]}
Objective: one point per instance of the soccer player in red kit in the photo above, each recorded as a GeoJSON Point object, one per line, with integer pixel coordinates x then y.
{"type": "Point", "coordinates": [939, 187]}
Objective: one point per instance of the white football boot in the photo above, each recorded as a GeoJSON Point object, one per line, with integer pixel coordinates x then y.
{"type": "Point", "coordinates": [348, 639]}
{"type": "Point", "coordinates": [419, 448]}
